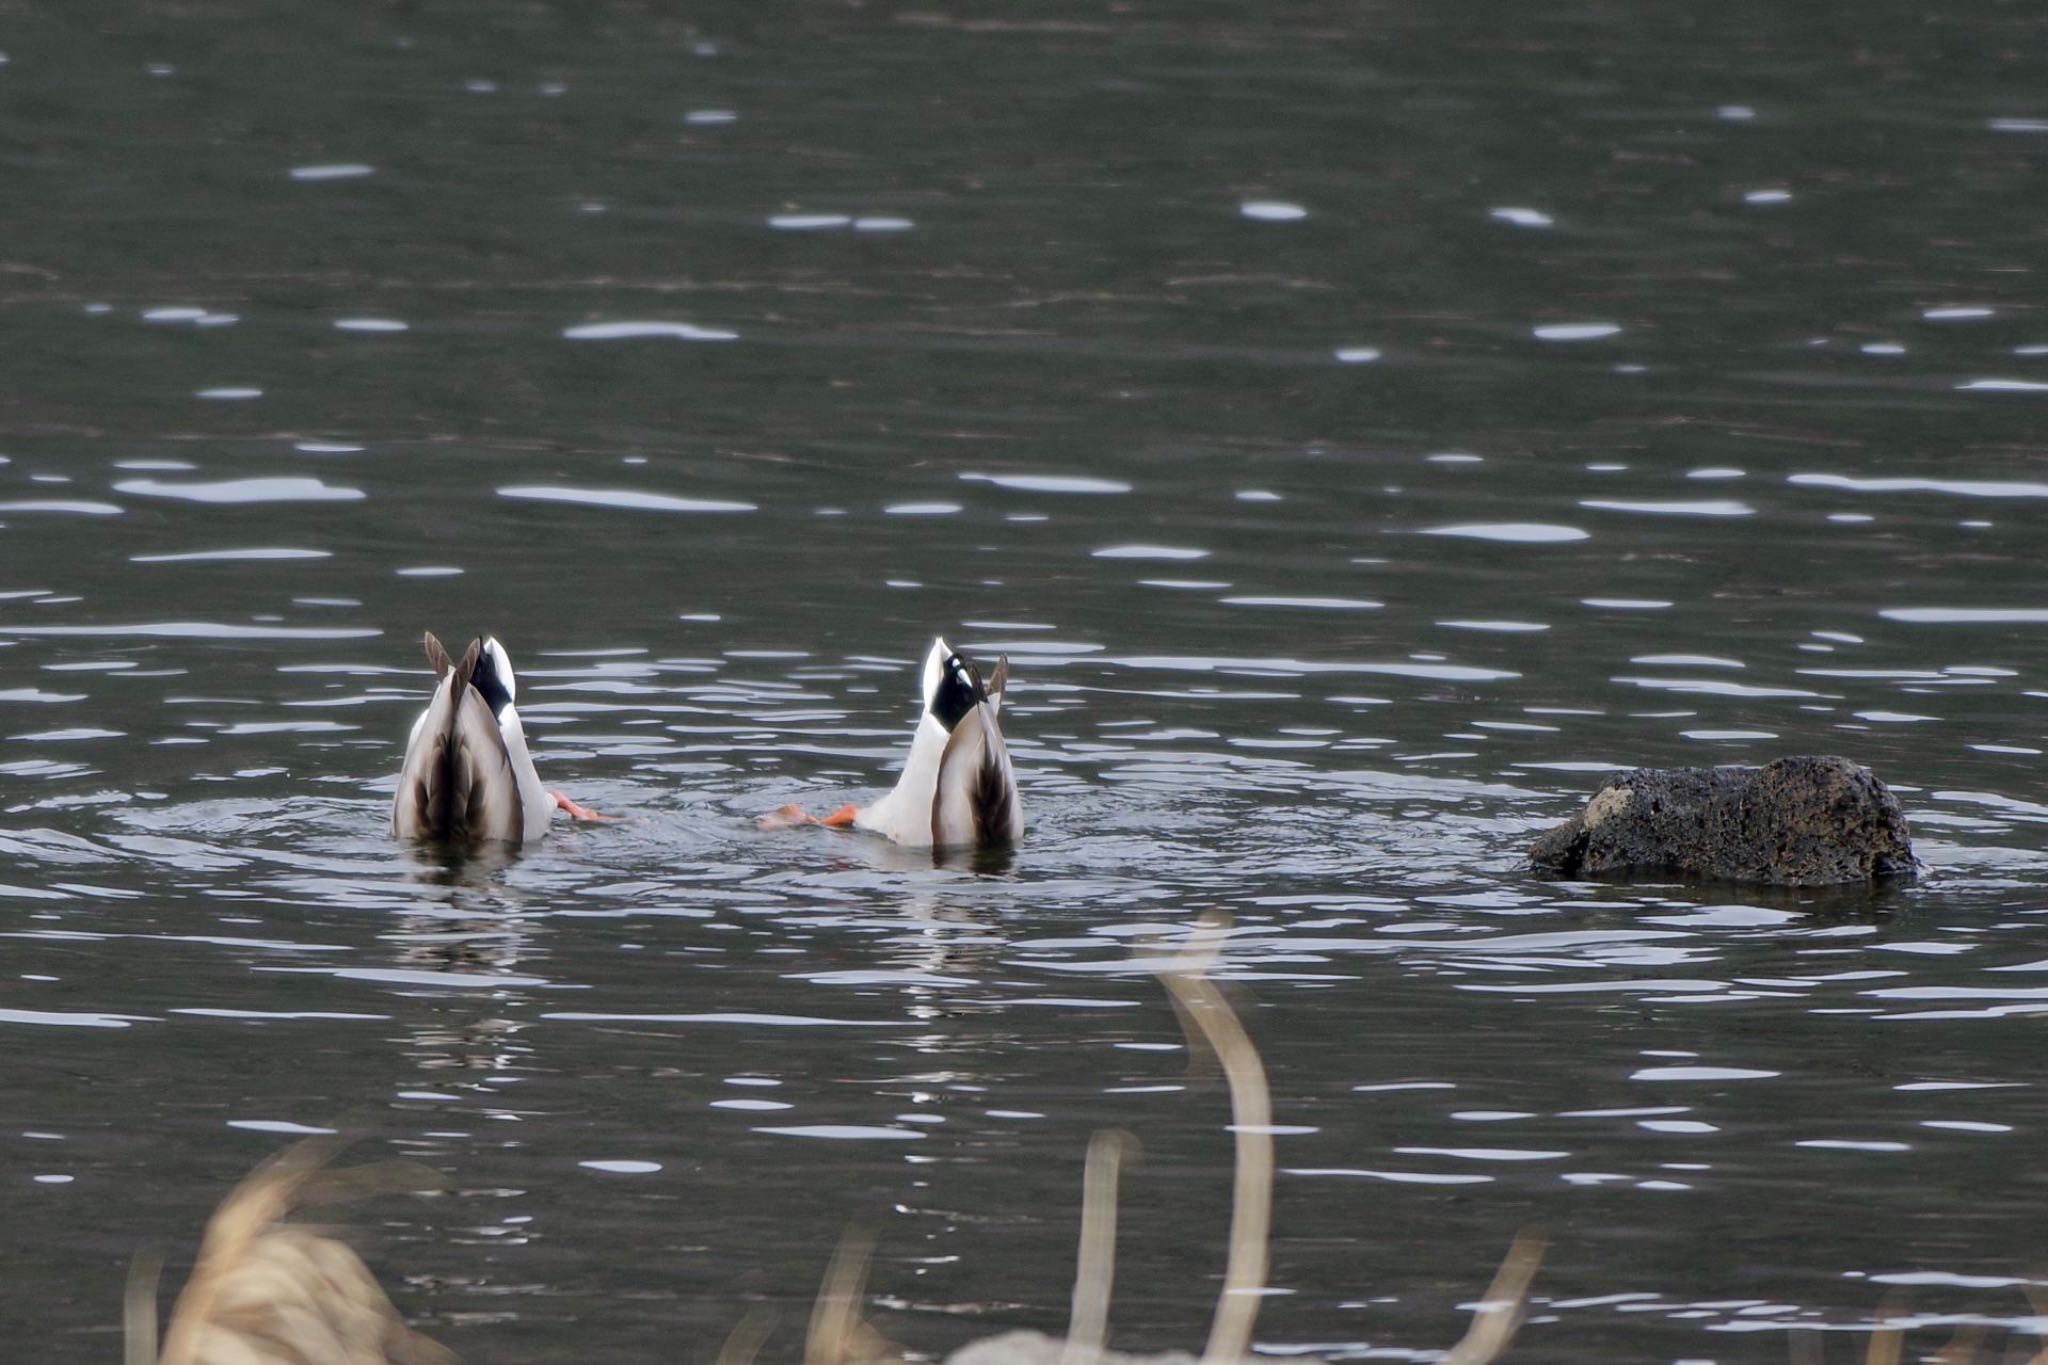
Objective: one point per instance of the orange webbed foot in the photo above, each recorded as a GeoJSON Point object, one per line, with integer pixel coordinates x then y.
{"type": "Point", "coordinates": [785, 817]}
{"type": "Point", "coordinates": [577, 812]}
{"type": "Point", "coordinates": [789, 817]}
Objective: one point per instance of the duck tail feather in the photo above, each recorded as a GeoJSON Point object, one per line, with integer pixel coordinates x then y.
{"type": "Point", "coordinates": [998, 681]}
{"type": "Point", "coordinates": [975, 799]}
{"type": "Point", "coordinates": [450, 776]}
{"type": "Point", "coordinates": [437, 656]}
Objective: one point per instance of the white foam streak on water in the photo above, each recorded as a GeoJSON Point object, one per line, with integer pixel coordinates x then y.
{"type": "Point", "coordinates": [1702, 1073]}
{"type": "Point", "coordinates": [1391, 1177]}
{"type": "Point", "coordinates": [1712, 687]}
{"type": "Point", "coordinates": [76, 506]}
{"type": "Point", "coordinates": [1030, 647]}
{"type": "Point", "coordinates": [1510, 532]}
{"type": "Point", "coordinates": [741, 1018]}
{"type": "Point", "coordinates": [1968, 488]}
{"type": "Point", "coordinates": [1049, 483]}
{"type": "Point", "coordinates": [325, 1016]}
{"type": "Point", "coordinates": [752, 1106]}
{"type": "Point", "coordinates": [400, 976]}
{"type": "Point", "coordinates": [1272, 211]}
{"type": "Point", "coordinates": [1150, 552]}
{"type": "Point", "coordinates": [1486, 1153]}
{"type": "Point", "coordinates": [1967, 616]}
{"type": "Point", "coordinates": [277, 488]}
{"type": "Point", "coordinates": [625, 499]}
{"type": "Point", "coordinates": [1316, 603]}
{"type": "Point", "coordinates": [200, 630]}
{"type": "Point", "coordinates": [637, 331]}
{"type": "Point", "coordinates": [230, 556]}
{"type": "Point", "coordinates": [1186, 663]}
{"type": "Point", "coordinates": [2003, 386]}
{"type": "Point", "coordinates": [1699, 507]}
{"type": "Point", "coordinates": [1575, 331]}
{"type": "Point", "coordinates": [1686, 661]}
{"type": "Point", "coordinates": [340, 170]}
{"type": "Point", "coordinates": [69, 1018]}
{"type": "Point", "coordinates": [621, 1167]}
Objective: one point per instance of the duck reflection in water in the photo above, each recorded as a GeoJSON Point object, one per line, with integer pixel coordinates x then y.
{"type": "Point", "coordinates": [470, 952]}
{"type": "Point", "coordinates": [957, 789]}
{"type": "Point", "coordinates": [479, 937]}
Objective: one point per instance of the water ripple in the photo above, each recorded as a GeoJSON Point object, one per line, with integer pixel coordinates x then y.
{"type": "Point", "coordinates": [622, 498]}
{"type": "Point", "coordinates": [274, 489]}
{"type": "Point", "coordinates": [633, 331]}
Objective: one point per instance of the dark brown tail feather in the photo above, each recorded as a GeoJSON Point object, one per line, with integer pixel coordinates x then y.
{"type": "Point", "coordinates": [447, 798]}
{"type": "Point", "coordinates": [999, 679]}
{"type": "Point", "coordinates": [993, 815]}
{"type": "Point", "coordinates": [437, 656]}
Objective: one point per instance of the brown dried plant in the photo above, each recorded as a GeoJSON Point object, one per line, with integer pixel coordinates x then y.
{"type": "Point", "coordinates": [268, 1292]}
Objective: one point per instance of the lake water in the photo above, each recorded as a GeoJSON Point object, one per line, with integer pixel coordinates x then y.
{"type": "Point", "coordinates": [1360, 427]}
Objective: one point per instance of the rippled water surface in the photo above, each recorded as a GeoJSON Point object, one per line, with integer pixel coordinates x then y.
{"type": "Point", "coordinates": [1360, 429]}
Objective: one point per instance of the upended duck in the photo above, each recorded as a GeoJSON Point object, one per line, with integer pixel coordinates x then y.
{"type": "Point", "coordinates": [468, 777]}
{"type": "Point", "coordinates": [957, 788]}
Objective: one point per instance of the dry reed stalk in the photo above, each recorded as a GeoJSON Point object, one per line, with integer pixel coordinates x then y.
{"type": "Point", "coordinates": [1887, 1343]}
{"type": "Point", "coordinates": [265, 1292]}
{"type": "Point", "coordinates": [1095, 1261]}
{"type": "Point", "coordinates": [1207, 1015]}
{"type": "Point", "coordinates": [838, 1335]}
{"type": "Point", "coordinates": [138, 1310]}
{"type": "Point", "coordinates": [1202, 1005]}
{"type": "Point", "coordinates": [745, 1340]}
{"type": "Point", "coordinates": [1499, 1315]}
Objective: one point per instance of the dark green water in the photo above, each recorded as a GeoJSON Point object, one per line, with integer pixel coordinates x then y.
{"type": "Point", "coordinates": [1361, 426]}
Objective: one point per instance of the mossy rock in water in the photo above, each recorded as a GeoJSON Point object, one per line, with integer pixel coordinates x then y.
{"type": "Point", "coordinates": [1808, 820]}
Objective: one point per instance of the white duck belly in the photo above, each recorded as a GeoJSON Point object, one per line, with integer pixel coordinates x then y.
{"type": "Point", "coordinates": [905, 814]}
